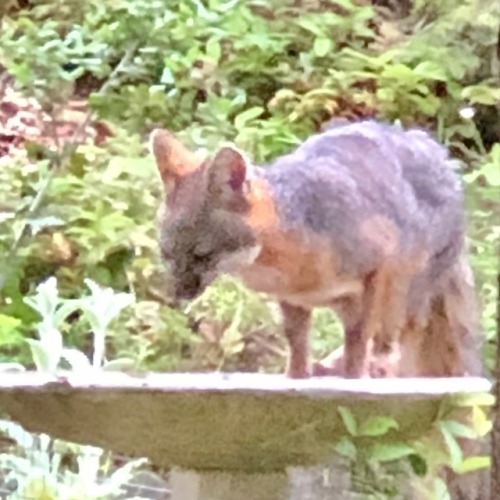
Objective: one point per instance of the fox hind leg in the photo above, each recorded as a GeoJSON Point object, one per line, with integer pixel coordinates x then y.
{"type": "Point", "coordinates": [393, 311]}
{"type": "Point", "coordinates": [382, 317]}
{"type": "Point", "coordinates": [356, 353]}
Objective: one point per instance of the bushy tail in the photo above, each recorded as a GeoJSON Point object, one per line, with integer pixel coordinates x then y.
{"type": "Point", "coordinates": [449, 342]}
{"type": "Point", "coordinates": [450, 346]}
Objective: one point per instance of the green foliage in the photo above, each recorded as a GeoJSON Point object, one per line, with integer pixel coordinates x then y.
{"type": "Point", "coordinates": [483, 203]}
{"type": "Point", "coordinates": [263, 75]}
{"type": "Point", "coordinates": [375, 447]}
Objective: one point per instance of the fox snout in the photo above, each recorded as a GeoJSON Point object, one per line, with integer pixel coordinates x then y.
{"type": "Point", "coordinates": [186, 286]}
{"type": "Point", "coordinates": [188, 290]}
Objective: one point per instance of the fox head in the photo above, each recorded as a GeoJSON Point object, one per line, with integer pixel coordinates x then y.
{"type": "Point", "coordinates": [206, 220]}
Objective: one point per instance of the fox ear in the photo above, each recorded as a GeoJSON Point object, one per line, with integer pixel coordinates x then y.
{"type": "Point", "coordinates": [173, 159]}
{"type": "Point", "coordinates": [227, 174]}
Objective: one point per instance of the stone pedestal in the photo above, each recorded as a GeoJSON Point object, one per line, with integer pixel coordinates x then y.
{"type": "Point", "coordinates": [190, 485]}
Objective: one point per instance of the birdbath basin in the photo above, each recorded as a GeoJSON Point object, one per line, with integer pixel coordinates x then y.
{"type": "Point", "coordinates": [226, 436]}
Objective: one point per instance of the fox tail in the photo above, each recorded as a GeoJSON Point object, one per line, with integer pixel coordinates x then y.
{"type": "Point", "coordinates": [449, 345]}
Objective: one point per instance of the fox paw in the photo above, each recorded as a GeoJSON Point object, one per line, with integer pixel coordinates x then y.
{"type": "Point", "coordinates": [297, 372]}
{"type": "Point", "coordinates": [321, 370]}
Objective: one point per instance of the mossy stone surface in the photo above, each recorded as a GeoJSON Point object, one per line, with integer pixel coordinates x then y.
{"type": "Point", "coordinates": [239, 422]}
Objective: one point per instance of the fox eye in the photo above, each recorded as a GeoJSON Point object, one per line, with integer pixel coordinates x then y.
{"type": "Point", "coordinates": [202, 257]}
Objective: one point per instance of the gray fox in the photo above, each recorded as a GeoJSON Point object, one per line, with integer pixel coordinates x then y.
{"type": "Point", "coordinates": [365, 217]}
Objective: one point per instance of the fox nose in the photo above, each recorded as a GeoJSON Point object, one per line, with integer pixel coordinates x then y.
{"type": "Point", "coordinates": [180, 299]}
{"type": "Point", "coordinates": [187, 294]}
{"type": "Point", "coordinates": [182, 293]}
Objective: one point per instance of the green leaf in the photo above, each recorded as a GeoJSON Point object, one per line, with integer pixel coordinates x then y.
{"type": "Point", "coordinates": [46, 299]}
{"type": "Point", "coordinates": [42, 356]}
{"type": "Point", "coordinates": [134, 167]}
{"type": "Point", "coordinates": [388, 452]}
{"type": "Point", "coordinates": [67, 307]}
{"type": "Point", "coordinates": [119, 364]}
{"type": "Point", "coordinates": [213, 49]}
{"type": "Point", "coordinates": [471, 464]}
{"type": "Point", "coordinates": [458, 429]}
{"type": "Point", "coordinates": [103, 305]}
{"type": "Point", "coordinates": [430, 70]}
{"type": "Point", "coordinates": [345, 447]}
{"type": "Point", "coordinates": [455, 452]}
{"type": "Point", "coordinates": [484, 399]}
{"type": "Point", "coordinates": [492, 174]}
{"type": "Point", "coordinates": [123, 475]}
{"type": "Point", "coordinates": [310, 25]}
{"type": "Point", "coordinates": [481, 423]}
{"type": "Point", "coordinates": [322, 46]}
{"type": "Point", "coordinates": [482, 94]}
{"type": "Point", "coordinates": [8, 329]}
{"type": "Point", "coordinates": [440, 490]}
{"type": "Point", "coordinates": [51, 338]}
{"type": "Point", "coordinates": [248, 115]}
{"type": "Point", "coordinates": [167, 77]}
{"type": "Point", "coordinates": [377, 426]}
{"type": "Point", "coordinates": [77, 360]}
{"type": "Point", "coordinates": [348, 419]}
{"type": "Point", "coordinates": [404, 74]}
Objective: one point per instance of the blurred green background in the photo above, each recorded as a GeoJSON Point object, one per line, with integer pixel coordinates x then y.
{"type": "Point", "coordinates": [83, 82]}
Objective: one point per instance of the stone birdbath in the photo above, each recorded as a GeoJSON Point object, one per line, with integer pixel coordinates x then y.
{"type": "Point", "coordinates": [225, 436]}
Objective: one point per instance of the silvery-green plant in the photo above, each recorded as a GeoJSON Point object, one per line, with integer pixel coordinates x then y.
{"type": "Point", "coordinates": [40, 473]}
{"type": "Point", "coordinates": [99, 308]}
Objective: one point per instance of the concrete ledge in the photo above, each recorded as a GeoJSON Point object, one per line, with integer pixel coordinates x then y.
{"type": "Point", "coordinates": [238, 422]}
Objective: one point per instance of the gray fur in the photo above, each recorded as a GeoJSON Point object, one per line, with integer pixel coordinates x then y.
{"type": "Point", "coordinates": [337, 179]}
{"type": "Point", "coordinates": [193, 245]}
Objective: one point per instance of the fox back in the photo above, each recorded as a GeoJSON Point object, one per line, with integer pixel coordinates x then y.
{"type": "Point", "coordinates": [371, 189]}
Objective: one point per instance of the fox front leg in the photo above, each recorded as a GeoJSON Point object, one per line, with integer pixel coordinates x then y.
{"type": "Point", "coordinates": [297, 322]}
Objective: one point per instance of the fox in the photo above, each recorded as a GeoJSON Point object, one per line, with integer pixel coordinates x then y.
{"type": "Point", "coordinates": [364, 217]}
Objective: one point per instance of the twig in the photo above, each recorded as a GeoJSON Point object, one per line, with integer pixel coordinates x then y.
{"type": "Point", "coordinates": [59, 159]}
{"type": "Point", "coordinates": [55, 135]}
